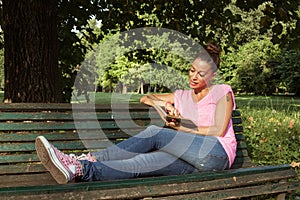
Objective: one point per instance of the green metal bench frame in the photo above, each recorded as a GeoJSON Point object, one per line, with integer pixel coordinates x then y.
{"type": "Point", "coordinates": [22, 175]}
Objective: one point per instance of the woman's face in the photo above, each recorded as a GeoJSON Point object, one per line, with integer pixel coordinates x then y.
{"type": "Point", "coordinates": [200, 74]}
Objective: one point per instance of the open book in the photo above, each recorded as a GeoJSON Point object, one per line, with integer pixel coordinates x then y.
{"type": "Point", "coordinates": [177, 120]}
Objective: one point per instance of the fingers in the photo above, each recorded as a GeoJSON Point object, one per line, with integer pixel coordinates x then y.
{"type": "Point", "coordinates": [174, 112]}
{"type": "Point", "coordinates": [171, 110]}
{"type": "Point", "coordinates": [172, 124]}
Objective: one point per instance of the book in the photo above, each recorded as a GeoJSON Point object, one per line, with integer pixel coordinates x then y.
{"type": "Point", "coordinates": [178, 121]}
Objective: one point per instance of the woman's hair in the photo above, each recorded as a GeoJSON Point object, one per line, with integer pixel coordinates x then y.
{"type": "Point", "coordinates": [211, 53]}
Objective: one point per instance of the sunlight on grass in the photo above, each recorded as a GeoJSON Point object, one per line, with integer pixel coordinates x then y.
{"type": "Point", "coordinates": [274, 102]}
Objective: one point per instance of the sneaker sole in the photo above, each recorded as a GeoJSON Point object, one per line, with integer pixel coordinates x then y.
{"type": "Point", "coordinates": [50, 161]}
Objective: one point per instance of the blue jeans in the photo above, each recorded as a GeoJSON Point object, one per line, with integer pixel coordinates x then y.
{"type": "Point", "coordinates": [157, 151]}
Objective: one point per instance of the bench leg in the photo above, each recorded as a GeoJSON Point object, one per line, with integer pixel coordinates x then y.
{"type": "Point", "coordinates": [282, 195]}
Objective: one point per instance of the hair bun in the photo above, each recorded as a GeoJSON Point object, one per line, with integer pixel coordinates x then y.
{"type": "Point", "coordinates": [212, 48]}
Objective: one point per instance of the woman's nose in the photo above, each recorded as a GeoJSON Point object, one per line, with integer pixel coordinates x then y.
{"type": "Point", "coordinates": [194, 76]}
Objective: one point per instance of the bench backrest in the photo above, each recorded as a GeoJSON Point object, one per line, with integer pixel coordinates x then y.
{"type": "Point", "coordinates": [95, 127]}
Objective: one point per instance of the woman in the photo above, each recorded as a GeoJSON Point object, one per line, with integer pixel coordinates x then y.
{"type": "Point", "coordinates": [163, 151]}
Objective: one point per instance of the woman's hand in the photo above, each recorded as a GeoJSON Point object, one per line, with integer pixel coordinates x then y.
{"type": "Point", "coordinates": [173, 125]}
{"type": "Point", "coordinates": [171, 110]}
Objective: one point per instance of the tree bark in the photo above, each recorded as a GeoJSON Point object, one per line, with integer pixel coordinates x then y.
{"type": "Point", "coordinates": [31, 51]}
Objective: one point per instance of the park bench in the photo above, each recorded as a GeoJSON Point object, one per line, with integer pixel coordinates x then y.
{"type": "Point", "coordinates": [23, 177]}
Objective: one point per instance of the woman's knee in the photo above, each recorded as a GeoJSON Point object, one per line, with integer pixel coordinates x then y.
{"type": "Point", "coordinates": [153, 127]}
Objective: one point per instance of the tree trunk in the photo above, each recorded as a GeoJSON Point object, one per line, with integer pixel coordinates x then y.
{"type": "Point", "coordinates": [31, 51]}
{"type": "Point", "coordinates": [124, 89]}
{"type": "Point", "coordinates": [142, 86]}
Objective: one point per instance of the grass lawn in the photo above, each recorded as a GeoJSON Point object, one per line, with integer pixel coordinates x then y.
{"type": "Point", "coordinates": [242, 101]}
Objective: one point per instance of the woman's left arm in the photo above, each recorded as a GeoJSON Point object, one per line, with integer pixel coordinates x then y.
{"type": "Point", "coordinates": [222, 117]}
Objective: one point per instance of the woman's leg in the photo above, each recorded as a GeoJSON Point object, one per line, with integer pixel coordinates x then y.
{"type": "Point", "coordinates": [144, 142]}
{"type": "Point", "coordinates": [156, 163]}
{"type": "Point", "coordinates": [203, 152]}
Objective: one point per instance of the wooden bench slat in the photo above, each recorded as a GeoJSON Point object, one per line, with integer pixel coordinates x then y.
{"type": "Point", "coordinates": [236, 113]}
{"type": "Point", "coordinates": [239, 136]}
{"type": "Point", "coordinates": [30, 179]}
{"type": "Point", "coordinates": [22, 158]}
{"type": "Point", "coordinates": [236, 120]}
{"type": "Point", "coordinates": [141, 192]}
{"type": "Point", "coordinates": [71, 135]}
{"type": "Point", "coordinates": [30, 165]}
{"type": "Point", "coordinates": [241, 145]}
{"type": "Point", "coordinates": [67, 135]}
{"type": "Point", "coordinates": [242, 153]}
{"type": "Point", "coordinates": [23, 136]}
{"type": "Point", "coordinates": [230, 178]}
{"type": "Point", "coordinates": [68, 116]}
{"type": "Point", "coordinates": [30, 136]}
{"type": "Point", "coordinates": [238, 129]}
{"type": "Point", "coordinates": [27, 107]}
{"type": "Point", "coordinates": [66, 143]}
{"type": "Point", "coordinates": [22, 169]}
{"type": "Point", "coordinates": [18, 158]}
{"type": "Point", "coordinates": [39, 126]}
{"type": "Point", "coordinates": [62, 145]}
{"type": "Point", "coordinates": [237, 193]}
{"type": "Point", "coordinates": [242, 163]}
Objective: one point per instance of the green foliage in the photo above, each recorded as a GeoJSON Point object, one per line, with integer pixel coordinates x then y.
{"type": "Point", "coordinates": [193, 18]}
{"type": "Point", "coordinates": [260, 67]}
{"type": "Point", "coordinates": [125, 62]}
{"type": "Point", "coordinates": [248, 27]}
{"type": "Point", "coordinates": [280, 16]}
{"type": "Point", "coordinates": [251, 68]}
{"type": "Point", "coordinates": [289, 72]}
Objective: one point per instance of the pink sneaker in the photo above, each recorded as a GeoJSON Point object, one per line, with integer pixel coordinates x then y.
{"type": "Point", "coordinates": [62, 167]}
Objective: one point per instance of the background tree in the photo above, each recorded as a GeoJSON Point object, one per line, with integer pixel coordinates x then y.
{"type": "Point", "coordinates": [31, 56]}
{"type": "Point", "coordinates": [34, 45]}
{"type": "Point", "coordinates": [202, 20]}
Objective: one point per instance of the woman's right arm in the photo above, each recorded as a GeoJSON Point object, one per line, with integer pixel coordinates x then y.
{"type": "Point", "coordinates": [157, 99]}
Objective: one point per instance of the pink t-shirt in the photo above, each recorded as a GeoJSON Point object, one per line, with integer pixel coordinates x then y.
{"type": "Point", "coordinates": [202, 113]}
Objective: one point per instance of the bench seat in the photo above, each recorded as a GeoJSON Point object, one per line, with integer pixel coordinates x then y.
{"type": "Point", "coordinates": [83, 127]}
